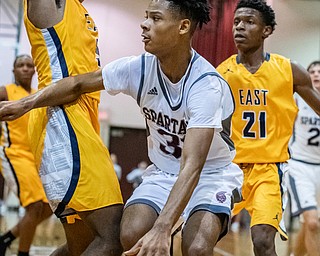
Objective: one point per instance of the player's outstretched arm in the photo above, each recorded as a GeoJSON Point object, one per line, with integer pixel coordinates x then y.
{"type": "Point", "coordinates": [62, 92]}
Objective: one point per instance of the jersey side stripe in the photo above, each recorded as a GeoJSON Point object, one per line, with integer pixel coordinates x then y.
{"type": "Point", "coordinates": [58, 64]}
{"type": "Point", "coordinates": [75, 168]}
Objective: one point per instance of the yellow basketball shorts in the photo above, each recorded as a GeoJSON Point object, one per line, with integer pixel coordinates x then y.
{"type": "Point", "coordinates": [264, 194]}
{"type": "Point", "coordinates": [21, 175]}
{"type": "Point", "coordinates": [74, 164]}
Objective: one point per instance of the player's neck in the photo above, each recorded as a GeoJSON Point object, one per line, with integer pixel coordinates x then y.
{"type": "Point", "coordinates": [26, 86]}
{"type": "Point", "coordinates": [252, 60]}
{"type": "Point", "coordinates": [175, 66]}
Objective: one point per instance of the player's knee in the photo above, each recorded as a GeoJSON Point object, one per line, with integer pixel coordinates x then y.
{"type": "Point", "coordinates": [261, 244]}
{"type": "Point", "coordinates": [132, 229]}
{"type": "Point", "coordinates": [110, 241]}
{"type": "Point", "coordinates": [197, 249]}
{"type": "Point", "coordinates": [198, 245]}
{"type": "Point", "coordinates": [263, 238]}
{"type": "Point", "coordinates": [111, 249]}
{"type": "Point", "coordinates": [128, 238]}
{"type": "Point", "coordinates": [34, 211]}
{"type": "Point", "coordinates": [312, 225]}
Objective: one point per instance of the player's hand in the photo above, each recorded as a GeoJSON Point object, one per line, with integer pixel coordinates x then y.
{"type": "Point", "coordinates": [11, 110]}
{"type": "Point", "coordinates": [154, 243]}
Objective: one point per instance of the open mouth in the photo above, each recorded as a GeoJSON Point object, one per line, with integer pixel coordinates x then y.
{"type": "Point", "coordinates": [239, 36]}
{"type": "Point", "coordinates": [145, 38]}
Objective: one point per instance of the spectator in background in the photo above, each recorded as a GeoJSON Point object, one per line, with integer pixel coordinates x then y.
{"type": "Point", "coordinates": [116, 166]}
{"type": "Point", "coordinates": [135, 176]}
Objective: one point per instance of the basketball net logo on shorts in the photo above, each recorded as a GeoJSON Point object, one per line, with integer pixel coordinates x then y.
{"type": "Point", "coordinates": [221, 196]}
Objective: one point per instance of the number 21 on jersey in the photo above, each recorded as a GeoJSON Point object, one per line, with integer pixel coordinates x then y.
{"type": "Point", "coordinates": [255, 127]}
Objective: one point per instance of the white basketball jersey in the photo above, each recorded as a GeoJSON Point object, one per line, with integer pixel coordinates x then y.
{"type": "Point", "coordinates": [201, 99]}
{"type": "Point", "coordinates": [305, 141]}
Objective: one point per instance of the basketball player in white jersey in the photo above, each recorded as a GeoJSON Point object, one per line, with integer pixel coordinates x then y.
{"type": "Point", "coordinates": [304, 173]}
{"type": "Point", "coordinates": [187, 107]}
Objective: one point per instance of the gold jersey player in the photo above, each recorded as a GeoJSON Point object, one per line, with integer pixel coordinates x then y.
{"type": "Point", "coordinates": [74, 165]}
{"type": "Point", "coordinates": [263, 85]}
{"type": "Point", "coordinates": [17, 162]}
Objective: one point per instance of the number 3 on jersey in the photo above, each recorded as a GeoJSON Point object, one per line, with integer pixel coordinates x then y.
{"type": "Point", "coordinates": [173, 144]}
{"type": "Point", "coordinates": [251, 118]}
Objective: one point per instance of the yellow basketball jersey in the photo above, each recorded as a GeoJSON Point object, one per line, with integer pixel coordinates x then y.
{"type": "Point", "coordinates": [77, 55]}
{"type": "Point", "coordinates": [15, 133]}
{"type": "Point", "coordinates": [17, 162]}
{"type": "Point", "coordinates": [265, 109]}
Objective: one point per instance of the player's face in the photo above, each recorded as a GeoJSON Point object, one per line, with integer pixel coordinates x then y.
{"type": "Point", "coordinates": [249, 30]}
{"type": "Point", "coordinates": [314, 72]}
{"type": "Point", "coordinates": [24, 70]}
{"type": "Point", "coordinates": [160, 29]}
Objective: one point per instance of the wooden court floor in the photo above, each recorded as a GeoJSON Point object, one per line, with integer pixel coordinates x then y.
{"type": "Point", "coordinates": [50, 234]}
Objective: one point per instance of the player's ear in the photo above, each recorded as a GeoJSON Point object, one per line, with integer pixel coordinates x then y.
{"type": "Point", "coordinates": [185, 26]}
{"type": "Point", "coordinates": [267, 31]}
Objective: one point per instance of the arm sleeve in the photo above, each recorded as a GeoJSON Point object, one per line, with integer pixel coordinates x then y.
{"type": "Point", "coordinates": [205, 103]}
{"type": "Point", "coordinates": [122, 75]}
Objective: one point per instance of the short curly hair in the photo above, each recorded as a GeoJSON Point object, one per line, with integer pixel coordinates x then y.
{"type": "Point", "coordinates": [197, 11]}
{"type": "Point", "coordinates": [261, 6]}
{"type": "Point", "coordinates": [19, 57]}
{"type": "Point", "coordinates": [312, 64]}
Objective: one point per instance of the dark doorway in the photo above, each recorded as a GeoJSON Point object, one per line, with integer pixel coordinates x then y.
{"type": "Point", "coordinates": [130, 146]}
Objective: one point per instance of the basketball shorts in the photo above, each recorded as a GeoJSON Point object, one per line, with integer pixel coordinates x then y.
{"type": "Point", "coordinates": [75, 166]}
{"type": "Point", "coordinates": [215, 192]}
{"type": "Point", "coordinates": [264, 194]}
{"type": "Point", "coordinates": [21, 175]}
{"type": "Point", "coordinates": [304, 187]}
